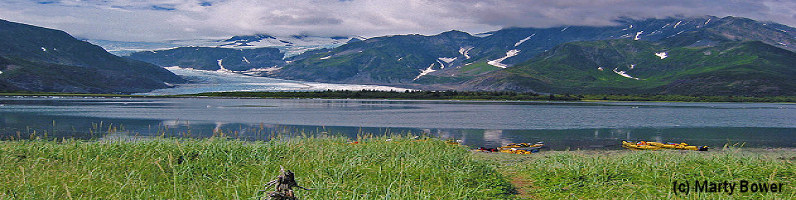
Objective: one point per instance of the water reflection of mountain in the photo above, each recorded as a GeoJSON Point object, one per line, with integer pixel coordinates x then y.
{"type": "Point", "coordinates": [560, 125]}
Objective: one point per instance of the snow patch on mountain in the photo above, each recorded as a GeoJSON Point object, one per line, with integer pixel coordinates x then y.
{"type": "Point", "coordinates": [246, 60]}
{"type": "Point", "coordinates": [447, 60]}
{"type": "Point", "coordinates": [464, 51]}
{"type": "Point", "coordinates": [327, 57]}
{"type": "Point", "coordinates": [441, 65]}
{"type": "Point", "coordinates": [523, 40]}
{"type": "Point", "coordinates": [638, 34]}
{"type": "Point", "coordinates": [706, 23]}
{"type": "Point", "coordinates": [662, 55]}
{"type": "Point", "coordinates": [624, 74]}
{"type": "Point", "coordinates": [600, 68]}
{"type": "Point", "coordinates": [482, 35]}
{"type": "Point", "coordinates": [426, 71]}
{"type": "Point", "coordinates": [43, 49]}
{"type": "Point", "coordinates": [221, 67]}
{"type": "Point", "coordinates": [509, 54]}
{"type": "Point", "coordinates": [655, 32]}
{"type": "Point", "coordinates": [678, 24]}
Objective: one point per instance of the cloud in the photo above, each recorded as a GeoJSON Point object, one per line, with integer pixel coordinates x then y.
{"type": "Point", "coordinates": [153, 20]}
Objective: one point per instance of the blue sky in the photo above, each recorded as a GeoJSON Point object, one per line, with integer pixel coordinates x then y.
{"type": "Point", "coordinates": [158, 20]}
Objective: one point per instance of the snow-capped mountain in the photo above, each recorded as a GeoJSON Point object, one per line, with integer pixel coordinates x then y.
{"type": "Point", "coordinates": [289, 45]}
{"type": "Point", "coordinates": [489, 61]}
{"type": "Point", "coordinates": [213, 58]}
{"type": "Point", "coordinates": [520, 58]}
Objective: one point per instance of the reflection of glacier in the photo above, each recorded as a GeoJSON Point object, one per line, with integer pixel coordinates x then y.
{"type": "Point", "coordinates": [220, 81]}
{"type": "Point", "coordinates": [217, 129]}
{"type": "Point", "coordinates": [173, 123]}
{"type": "Point", "coordinates": [495, 137]}
{"type": "Point", "coordinates": [623, 132]}
{"type": "Point", "coordinates": [448, 134]}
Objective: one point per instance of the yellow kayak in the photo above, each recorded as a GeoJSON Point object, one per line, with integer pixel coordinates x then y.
{"type": "Point", "coordinates": [681, 146]}
{"type": "Point", "coordinates": [518, 151]}
{"type": "Point", "coordinates": [639, 145]}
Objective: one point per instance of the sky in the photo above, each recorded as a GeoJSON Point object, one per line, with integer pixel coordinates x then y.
{"type": "Point", "coordinates": [160, 20]}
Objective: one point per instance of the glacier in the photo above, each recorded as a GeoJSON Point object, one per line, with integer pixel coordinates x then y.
{"type": "Point", "coordinates": [201, 81]}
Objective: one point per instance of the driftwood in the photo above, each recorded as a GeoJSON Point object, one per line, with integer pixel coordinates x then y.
{"type": "Point", "coordinates": [283, 186]}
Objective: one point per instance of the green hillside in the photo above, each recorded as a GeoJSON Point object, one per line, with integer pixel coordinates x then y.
{"type": "Point", "coordinates": [47, 60]}
{"type": "Point", "coordinates": [729, 68]}
{"type": "Point", "coordinates": [391, 59]}
{"type": "Point", "coordinates": [212, 58]}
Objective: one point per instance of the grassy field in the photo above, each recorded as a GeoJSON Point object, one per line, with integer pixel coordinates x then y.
{"type": "Point", "coordinates": [231, 169]}
{"type": "Point", "coordinates": [627, 174]}
{"type": "Point", "coordinates": [374, 168]}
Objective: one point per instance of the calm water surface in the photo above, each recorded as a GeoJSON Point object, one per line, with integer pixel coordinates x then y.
{"type": "Point", "coordinates": [560, 124]}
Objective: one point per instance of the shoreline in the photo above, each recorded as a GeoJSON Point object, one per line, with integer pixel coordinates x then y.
{"type": "Point", "coordinates": [235, 95]}
{"type": "Point", "coordinates": [473, 149]}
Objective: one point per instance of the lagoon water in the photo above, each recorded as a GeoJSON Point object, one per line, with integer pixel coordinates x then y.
{"type": "Point", "coordinates": [561, 125]}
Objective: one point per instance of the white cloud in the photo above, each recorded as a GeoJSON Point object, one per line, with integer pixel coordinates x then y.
{"type": "Point", "coordinates": [152, 20]}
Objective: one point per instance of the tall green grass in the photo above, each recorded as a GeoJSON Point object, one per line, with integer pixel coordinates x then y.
{"type": "Point", "coordinates": [646, 174]}
{"type": "Point", "coordinates": [374, 168]}
{"type": "Point", "coordinates": [218, 168]}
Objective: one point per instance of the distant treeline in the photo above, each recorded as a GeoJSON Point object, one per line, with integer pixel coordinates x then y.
{"type": "Point", "coordinates": [449, 95]}
{"type": "Point", "coordinates": [408, 94]}
{"type": "Point", "coordinates": [489, 95]}
{"type": "Point", "coordinates": [684, 98]}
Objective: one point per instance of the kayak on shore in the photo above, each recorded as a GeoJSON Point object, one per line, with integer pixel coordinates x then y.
{"type": "Point", "coordinates": [681, 146]}
{"type": "Point", "coordinates": [515, 148]}
{"type": "Point", "coordinates": [643, 145]}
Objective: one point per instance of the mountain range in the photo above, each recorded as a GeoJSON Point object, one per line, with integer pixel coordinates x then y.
{"type": "Point", "coordinates": [690, 56]}
{"type": "Point", "coordinates": [290, 45]}
{"type": "Point", "coordinates": [47, 60]}
{"type": "Point", "coordinates": [256, 54]}
{"type": "Point", "coordinates": [686, 56]}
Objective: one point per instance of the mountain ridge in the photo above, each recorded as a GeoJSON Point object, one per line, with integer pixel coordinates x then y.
{"type": "Point", "coordinates": [444, 62]}
{"type": "Point", "coordinates": [213, 58]}
{"type": "Point", "coordinates": [750, 68]}
{"type": "Point", "coordinates": [32, 55]}
{"type": "Point", "coordinates": [502, 59]}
